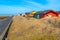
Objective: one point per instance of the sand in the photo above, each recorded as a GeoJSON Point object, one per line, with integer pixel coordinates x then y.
{"type": "Point", "coordinates": [23, 28]}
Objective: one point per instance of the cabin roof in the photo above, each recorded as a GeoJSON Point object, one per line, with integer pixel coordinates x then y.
{"type": "Point", "coordinates": [50, 11]}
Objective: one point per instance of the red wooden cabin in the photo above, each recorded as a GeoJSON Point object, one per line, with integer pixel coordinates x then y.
{"type": "Point", "coordinates": [50, 13]}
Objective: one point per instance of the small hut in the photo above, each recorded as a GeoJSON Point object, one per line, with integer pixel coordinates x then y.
{"type": "Point", "coordinates": [50, 13]}
{"type": "Point", "coordinates": [36, 16]}
{"type": "Point", "coordinates": [32, 13]}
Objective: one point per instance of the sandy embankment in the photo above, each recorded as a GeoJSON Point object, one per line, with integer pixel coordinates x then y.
{"type": "Point", "coordinates": [34, 29]}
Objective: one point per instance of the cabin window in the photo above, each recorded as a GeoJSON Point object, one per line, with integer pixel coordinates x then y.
{"type": "Point", "coordinates": [48, 15]}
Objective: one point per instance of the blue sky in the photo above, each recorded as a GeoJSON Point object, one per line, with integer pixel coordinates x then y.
{"type": "Point", "coordinates": [13, 7]}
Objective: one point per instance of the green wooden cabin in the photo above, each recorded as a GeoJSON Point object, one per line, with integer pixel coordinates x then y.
{"type": "Point", "coordinates": [36, 15]}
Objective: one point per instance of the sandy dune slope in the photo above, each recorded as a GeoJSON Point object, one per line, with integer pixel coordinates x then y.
{"type": "Point", "coordinates": [23, 28]}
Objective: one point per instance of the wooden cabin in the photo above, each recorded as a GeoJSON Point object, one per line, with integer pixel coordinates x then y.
{"type": "Point", "coordinates": [36, 16]}
{"type": "Point", "coordinates": [32, 13]}
{"type": "Point", "coordinates": [27, 14]}
{"type": "Point", "coordinates": [50, 13]}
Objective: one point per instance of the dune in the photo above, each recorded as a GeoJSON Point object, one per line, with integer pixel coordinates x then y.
{"type": "Point", "coordinates": [24, 28]}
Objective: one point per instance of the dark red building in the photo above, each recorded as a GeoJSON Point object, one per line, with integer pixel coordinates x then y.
{"type": "Point", "coordinates": [50, 13]}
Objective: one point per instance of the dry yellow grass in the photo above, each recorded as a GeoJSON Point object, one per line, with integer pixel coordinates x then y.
{"type": "Point", "coordinates": [34, 29]}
